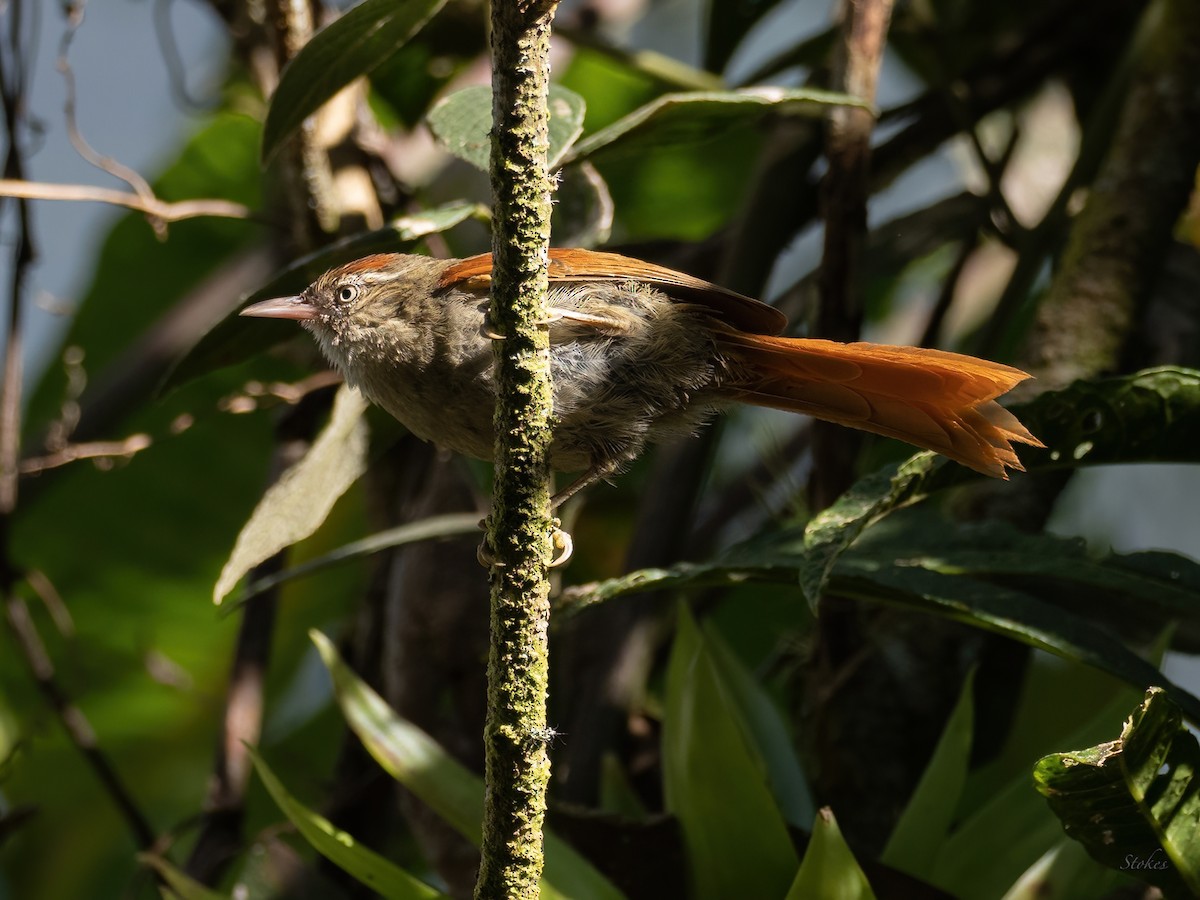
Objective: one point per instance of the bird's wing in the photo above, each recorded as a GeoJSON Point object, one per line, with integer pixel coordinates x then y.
{"type": "Point", "coordinates": [738, 310]}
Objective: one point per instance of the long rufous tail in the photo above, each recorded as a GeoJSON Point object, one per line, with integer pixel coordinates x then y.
{"type": "Point", "coordinates": [931, 398]}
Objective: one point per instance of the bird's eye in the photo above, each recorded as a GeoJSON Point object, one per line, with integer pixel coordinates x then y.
{"type": "Point", "coordinates": [347, 292]}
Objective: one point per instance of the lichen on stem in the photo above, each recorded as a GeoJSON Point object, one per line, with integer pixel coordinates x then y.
{"type": "Point", "coordinates": [515, 737]}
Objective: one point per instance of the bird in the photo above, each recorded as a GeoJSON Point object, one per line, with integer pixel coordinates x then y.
{"type": "Point", "coordinates": [639, 353]}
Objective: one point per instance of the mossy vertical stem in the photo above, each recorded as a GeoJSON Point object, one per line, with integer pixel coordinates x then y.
{"type": "Point", "coordinates": [518, 765]}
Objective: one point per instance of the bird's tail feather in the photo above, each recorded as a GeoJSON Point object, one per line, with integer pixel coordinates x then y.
{"type": "Point", "coordinates": [931, 398]}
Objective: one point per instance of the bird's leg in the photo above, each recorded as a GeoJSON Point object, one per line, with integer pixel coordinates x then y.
{"type": "Point", "coordinates": [598, 472]}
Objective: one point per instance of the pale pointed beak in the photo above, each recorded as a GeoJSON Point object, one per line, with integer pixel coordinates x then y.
{"type": "Point", "coordinates": [282, 308]}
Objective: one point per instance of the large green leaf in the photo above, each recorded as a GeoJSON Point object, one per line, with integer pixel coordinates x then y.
{"type": "Point", "coordinates": [1012, 613]}
{"type": "Point", "coordinates": [340, 848]}
{"type": "Point", "coordinates": [1137, 594]}
{"type": "Point", "coordinates": [1006, 827]}
{"type": "Point", "coordinates": [348, 47]}
{"type": "Point", "coordinates": [296, 505]}
{"type": "Point", "coordinates": [922, 828]}
{"type": "Point", "coordinates": [463, 123]}
{"type": "Point", "coordinates": [829, 870]}
{"type": "Point", "coordinates": [451, 790]}
{"type": "Point", "coordinates": [1152, 416]}
{"type": "Point", "coordinates": [767, 735]}
{"type": "Point", "coordinates": [697, 117]}
{"type": "Point", "coordinates": [237, 338]}
{"type": "Point", "coordinates": [715, 781]}
{"type": "Point", "coordinates": [781, 557]}
{"type": "Point", "coordinates": [1134, 803]}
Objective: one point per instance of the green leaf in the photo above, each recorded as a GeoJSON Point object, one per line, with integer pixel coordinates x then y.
{"type": "Point", "coordinates": [178, 884]}
{"type": "Point", "coordinates": [296, 505]}
{"type": "Point", "coordinates": [1152, 416]}
{"type": "Point", "coordinates": [340, 848]}
{"type": "Point", "coordinates": [922, 828]}
{"type": "Point", "coordinates": [236, 338]}
{"type": "Point", "coordinates": [1007, 829]}
{"type": "Point", "coordinates": [446, 786]}
{"type": "Point", "coordinates": [1134, 803]}
{"type": "Point", "coordinates": [432, 528]}
{"type": "Point", "coordinates": [1013, 613]}
{"type": "Point", "coordinates": [837, 527]}
{"type": "Point", "coordinates": [1138, 594]}
{"type": "Point", "coordinates": [697, 117]}
{"type": "Point", "coordinates": [348, 47]}
{"type": "Point", "coordinates": [736, 837]}
{"type": "Point", "coordinates": [829, 870]}
{"type": "Point", "coordinates": [766, 732]}
{"type": "Point", "coordinates": [463, 123]}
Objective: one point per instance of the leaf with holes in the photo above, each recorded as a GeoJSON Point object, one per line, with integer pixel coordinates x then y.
{"type": "Point", "coordinates": [1134, 803]}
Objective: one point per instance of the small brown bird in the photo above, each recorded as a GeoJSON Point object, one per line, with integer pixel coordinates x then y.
{"type": "Point", "coordinates": [638, 353]}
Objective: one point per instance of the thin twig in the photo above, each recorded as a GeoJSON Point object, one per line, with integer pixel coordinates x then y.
{"type": "Point", "coordinates": [72, 718]}
{"type": "Point", "coordinates": [141, 187]}
{"type": "Point", "coordinates": [99, 450]}
{"type": "Point", "coordinates": [151, 206]}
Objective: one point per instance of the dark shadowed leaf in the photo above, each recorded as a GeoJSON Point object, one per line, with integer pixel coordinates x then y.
{"type": "Point", "coordinates": [1152, 416]}
{"type": "Point", "coordinates": [727, 25]}
{"type": "Point", "coordinates": [1134, 803]}
{"type": "Point", "coordinates": [922, 828]}
{"type": "Point", "coordinates": [348, 47]}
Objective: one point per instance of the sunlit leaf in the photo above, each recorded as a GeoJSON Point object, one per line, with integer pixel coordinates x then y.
{"type": "Point", "coordinates": [445, 785]}
{"type": "Point", "coordinates": [697, 117]}
{"type": "Point", "coordinates": [340, 848]}
{"type": "Point", "coordinates": [296, 505]}
{"type": "Point", "coordinates": [1134, 803]}
{"type": "Point", "coordinates": [1005, 831]}
{"type": "Point", "coordinates": [348, 47]}
{"type": "Point", "coordinates": [463, 123]}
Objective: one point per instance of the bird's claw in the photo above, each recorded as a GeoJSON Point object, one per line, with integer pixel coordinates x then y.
{"type": "Point", "coordinates": [562, 545]}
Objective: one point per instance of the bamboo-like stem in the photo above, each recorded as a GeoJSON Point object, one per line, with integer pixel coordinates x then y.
{"type": "Point", "coordinates": [515, 737]}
